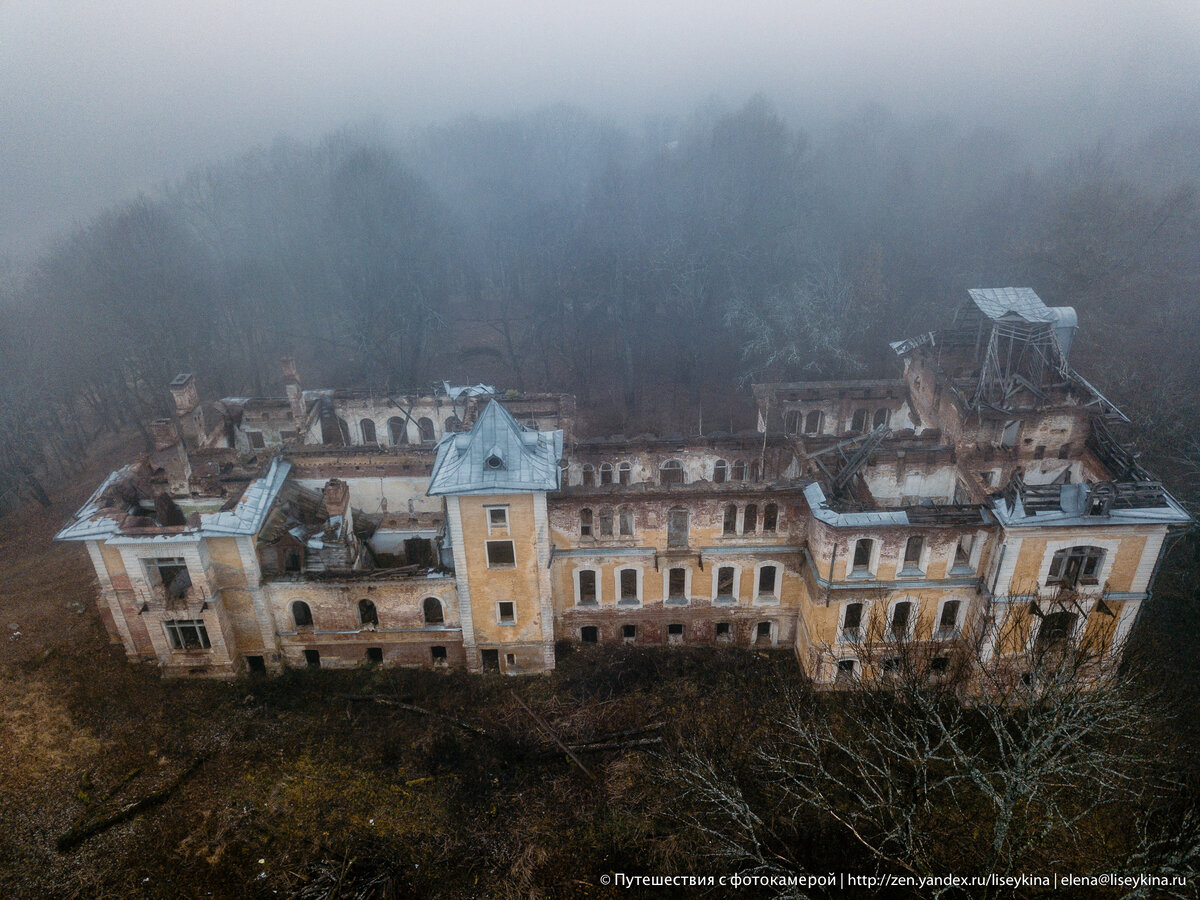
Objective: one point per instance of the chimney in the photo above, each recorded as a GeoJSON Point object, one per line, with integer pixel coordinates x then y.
{"type": "Point", "coordinates": [170, 455]}
{"type": "Point", "coordinates": [337, 502]}
{"type": "Point", "coordinates": [188, 410]}
{"type": "Point", "coordinates": [291, 384]}
{"type": "Point", "coordinates": [164, 433]}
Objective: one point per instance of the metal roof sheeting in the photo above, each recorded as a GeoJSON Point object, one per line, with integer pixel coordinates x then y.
{"type": "Point", "coordinates": [522, 459]}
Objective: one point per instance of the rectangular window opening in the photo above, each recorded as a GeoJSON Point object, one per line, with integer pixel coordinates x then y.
{"type": "Point", "coordinates": [500, 554]}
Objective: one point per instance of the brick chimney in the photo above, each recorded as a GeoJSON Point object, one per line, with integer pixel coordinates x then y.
{"type": "Point", "coordinates": [337, 502]}
{"type": "Point", "coordinates": [291, 384]}
{"type": "Point", "coordinates": [188, 410]}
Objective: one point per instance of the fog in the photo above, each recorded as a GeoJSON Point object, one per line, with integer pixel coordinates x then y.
{"type": "Point", "coordinates": [101, 101]}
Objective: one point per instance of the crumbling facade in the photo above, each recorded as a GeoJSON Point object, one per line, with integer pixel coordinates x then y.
{"type": "Point", "coordinates": [979, 500]}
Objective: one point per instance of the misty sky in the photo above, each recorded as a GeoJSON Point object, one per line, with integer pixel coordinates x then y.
{"type": "Point", "coordinates": [101, 100]}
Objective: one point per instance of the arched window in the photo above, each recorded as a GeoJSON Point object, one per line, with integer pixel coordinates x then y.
{"type": "Point", "coordinates": [791, 421]}
{"type": "Point", "coordinates": [432, 611]}
{"type": "Point", "coordinates": [750, 519]}
{"type": "Point", "coordinates": [606, 473]}
{"type": "Point", "coordinates": [947, 626]}
{"type": "Point", "coordinates": [720, 471]}
{"type": "Point", "coordinates": [770, 518]}
{"type": "Point", "coordinates": [671, 472]}
{"type": "Point", "coordinates": [881, 417]}
{"type": "Point", "coordinates": [730, 524]}
{"type": "Point", "coordinates": [626, 521]}
{"type": "Point", "coordinates": [901, 623]}
{"type": "Point", "coordinates": [606, 521]}
{"type": "Point", "coordinates": [858, 424]}
{"type": "Point", "coordinates": [367, 426]}
{"type": "Point", "coordinates": [589, 476]}
{"type": "Point", "coordinates": [425, 426]}
{"type": "Point", "coordinates": [367, 614]}
{"type": "Point", "coordinates": [397, 430]}
{"type": "Point", "coordinates": [1076, 565]}
{"type": "Point", "coordinates": [345, 431]}
{"type": "Point", "coordinates": [585, 522]}
{"type": "Point", "coordinates": [813, 423]}
{"type": "Point", "coordinates": [755, 473]}
{"type": "Point", "coordinates": [1055, 632]}
{"type": "Point", "coordinates": [739, 470]}
{"type": "Point", "coordinates": [624, 473]}
{"type": "Point", "coordinates": [453, 424]}
{"type": "Point", "coordinates": [301, 614]}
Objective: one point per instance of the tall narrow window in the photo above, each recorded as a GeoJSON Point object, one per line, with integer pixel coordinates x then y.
{"type": "Point", "coordinates": [431, 608]}
{"type": "Point", "coordinates": [397, 430]}
{"type": "Point", "coordinates": [301, 614]}
{"type": "Point", "coordinates": [862, 556]}
{"type": "Point", "coordinates": [901, 614]}
{"type": "Point", "coordinates": [587, 587]}
{"type": "Point", "coordinates": [948, 623]}
{"type": "Point", "coordinates": [750, 519]}
{"type": "Point", "coordinates": [606, 473]}
{"type": "Point", "coordinates": [858, 424]}
{"type": "Point", "coordinates": [770, 518]}
{"type": "Point", "coordinates": [671, 472]}
{"type": "Point", "coordinates": [606, 522]}
{"type": "Point", "coordinates": [368, 431]}
{"type": "Point", "coordinates": [912, 553]}
{"type": "Point", "coordinates": [629, 586]}
{"type": "Point", "coordinates": [585, 522]}
{"type": "Point", "coordinates": [589, 476]}
{"type": "Point", "coordinates": [791, 421]}
{"type": "Point", "coordinates": [813, 422]}
{"type": "Point", "coordinates": [626, 521]}
{"type": "Point", "coordinates": [367, 615]}
{"type": "Point", "coordinates": [881, 417]}
{"type": "Point", "coordinates": [624, 473]}
{"type": "Point", "coordinates": [738, 473]}
{"type": "Point", "coordinates": [677, 584]}
{"type": "Point", "coordinates": [425, 427]}
{"type": "Point", "coordinates": [962, 551]}
{"type": "Point", "coordinates": [852, 622]}
{"type": "Point", "coordinates": [677, 528]}
{"type": "Point", "coordinates": [725, 583]}
{"type": "Point", "coordinates": [720, 471]}
{"type": "Point", "coordinates": [730, 524]}
{"type": "Point", "coordinates": [767, 581]}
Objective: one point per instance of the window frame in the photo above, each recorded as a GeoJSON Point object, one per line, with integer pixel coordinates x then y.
{"type": "Point", "coordinates": [578, 579]}
{"type": "Point", "coordinates": [509, 620]}
{"type": "Point", "coordinates": [622, 600]}
{"type": "Point", "coordinates": [177, 630]}
{"type": "Point", "coordinates": [490, 511]}
{"type": "Point", "coordinates": [500, 565]}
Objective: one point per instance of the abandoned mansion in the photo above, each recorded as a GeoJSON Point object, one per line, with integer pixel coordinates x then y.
{"type": "Point", "coordinates": [978, 501]}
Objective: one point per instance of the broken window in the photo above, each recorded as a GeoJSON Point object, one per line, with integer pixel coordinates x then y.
{"type": "Point", "coordinates": [187, 634]}
{"type": "Point", "coordinates": [453, 425]}
{"type": "Point", "coordinates": [256, 439]}
{"type": "Point", "coordinates": [766, 581]}
{"type": "Point", "coordinates": [500, 554]}
{"type": "Point", "coordinates": [624, 473]}
{"type": "Point", "coordinates": [724, 632]}
{"type": "Point", "coordinates": [738, 472]}
{"type": "Point", "coordinates": [671, 472]}
{"type": "Point", "coordinates": [437, 655]}
{"type": "Point", "coordinates": [589, 476]}
{"type": "Point", "coordinates": [730, 524]}
{"type": "Point", "coordinates": [962, 551]}
{"type": "Point", "coordinates": [755, 470]}
{"type": "Point", "coordinates": [791, 421]}
{"type": "Point", "coordinates": [302, 614]}
{"type": "Point", "coordinates": [432, 611]}
{"type": "Point", "coordinates": [629, 586]}
{"type": "Point", "coordinates": [397, 430]}
{"type": "Point", "coordinates": [490, 660]}
{"type": "Point", "coordinates": [587, 587]}
{"type": "Point", "coordinates": [948, 622]}
{"type": "Point", "coordinates": [374, 655]}
{"type": "Point", "coordinates": [507, 612]}
{"type": "Point", "coordinates": [257, 665]}
{"type": "Point", "coordinates": [606, 522]}
{"type": "Point", "coordinates": [367, 614]}
{"type": "Point", "coordinates": [1064, 452]}
{"type": "Point", "coordinates": [675, 632]}
{"type": "Point", "coordinates": [938, 667]}
{"type": "Point", "coordinates": [626, 521]}
{"type": "Point", "coordinates": [585, 522]}
{"type": "Point", "coordinates": [606, 473]}
{"type": "Point", "coordinates": [881, 417]}
{"type": "Point", "coordinates": [720, 471]}
{"type": "Point", "coordinates": [312, 659]}
{"type": "Point", "coordinates": [862, 556]}
{"type": "Point", "coordinates": [725, 576]}
{"type": "Point", "coordinates": [813, 422]}
{"type": "Point", "coordinates": [287, 435]}
{"type": "Point", "coordinates": [589, 634]}
{"type": "Point", "coordinates": [901, 614]}
{"type": "Point", "coordinates": [770, 518]}
{"type": "Point", "coordinates": [677, 584]}
{"type": "Point", "coordinates": [1055, 631]}
{"type": "Point", "coordinates": [913, 549]}
{"type": "Point", "coordinates": [425, 427]}
{"type": "Point", "coordinates": [845, 672]}
{"type": "Point", "coordinates": [629, 632]}
{"type": "Point", "coordinates": [852, 622]}
{"type": "Point", "coordinates": [171, 574]}
{"type": "Point", "coordinates": [762, 633]}
{"type": "Point", "coordinates": [368, 431]}
{"type": "Point", "coordinates": [344, 431]}
{"type": "Point", "coordinates": [677, 528]}
{"type": "Point", "coordinates": [1076, 565]}
{"type": "Point", "coordinates": [858, 424]}
{"type": "Point", "coordinates": [1008, 437]}
{"type": "Point", "coordinates": [750, 519]}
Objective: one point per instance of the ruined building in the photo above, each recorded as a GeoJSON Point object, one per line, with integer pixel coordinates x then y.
{"type": "Point", "coordinates": [980, 500]}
